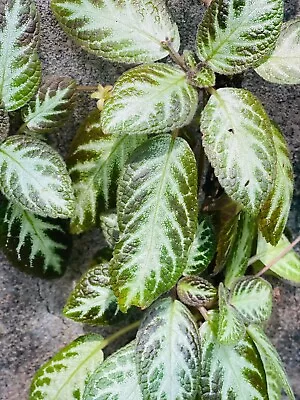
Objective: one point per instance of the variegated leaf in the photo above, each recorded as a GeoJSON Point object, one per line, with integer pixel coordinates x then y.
{"type": "Point", "coordinates": [283, 66]}
{"type": "Point", "coordinates": [34, 176]}
{"type": "Point", "coordinates": [4, 124]}
{"type": "Point", "coordinates": [204, 78]}
{"type": "Point", "coordinates": [124, 31]}
{"type": "Point", "coordinates": [116, 378]}
{"type": "Point", "coordinates": [20, 68]}
{"type": "Point", "coordinates": [241, 248]}
{"type": "Point", "coordinates": [230, 371]}
{"type": "Point", "coordinates": [66, 374]}
{"type": "Point", "coordinates": [240, 149]}
{"type": "Point", "coordinates": [288, 267]}
{"type": "Point", "coordinates": [234, 36]}
{"type": "Point", "coordinates": [203, 248]}
{"type": "Point", "coordinates": [95, 163]}
{"type": "Point", "coordinates": [110, 227]}
{"type": "Point", "coordinates": [196, 292]}
{"type": "Point", "coordinates": [168, 353]}
{"type": "Point", "coordinates": [51, 107]}
{"type": "Point", "coordinates": [157, 213]}
{"type": "Point", "coordinates": [153, 98]}
{"type": "Point", "coordinates": [275, 373]}
{"type": "Point", "coordinates": [275, 211]}
{"type": "Point", "coordinates": [252, 297]}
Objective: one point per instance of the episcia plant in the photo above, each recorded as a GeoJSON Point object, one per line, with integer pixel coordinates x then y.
{"type": "Point", "coordinates": [188, 179]}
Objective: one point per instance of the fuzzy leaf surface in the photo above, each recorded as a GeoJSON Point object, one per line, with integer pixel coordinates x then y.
{"type": "Point", "coordinates": [66, 374]}
{"type": "Point", "coordinates": [235, 36]}
{"type": "Point", "coordinates": [110, 227]}
{"type": "Point", "coordinates": [34, 176]}
{"type": "Point", "coordinates": [240, 148]}
{"type": "Point", "coordinates": [95, 164]}
{"type": "Point", "coordinates": [153, 98]}
{"type": "Point", "coordinates": [128, 31]}
{"type": "Point", "coordinates": [167, 352]}
{"type": "Point", "coordinates": [4, 124]}
{"type": "Point", "coordinates": [157, 214]}
{"type": "Point", "coordinates": [20, 68]}
{"type": "Point", "coordinates": [283, 66]}
{"type": "Point", "coordinates": [196, 292]}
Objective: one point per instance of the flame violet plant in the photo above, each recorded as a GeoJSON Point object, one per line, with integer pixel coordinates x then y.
{"type": "Point", "coordinates": [188, 179]}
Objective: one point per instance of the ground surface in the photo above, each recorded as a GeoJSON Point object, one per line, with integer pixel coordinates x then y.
{"type": "Point", "coordinates": [31, 326]}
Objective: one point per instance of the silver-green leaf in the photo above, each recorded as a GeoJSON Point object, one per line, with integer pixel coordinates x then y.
{"type": "Point", "coordinates": [157, 214]}
{"type": "Point", "coordinates": [153, 98]}
{"type": "Point", "coordinates": [127, 31]}
{"type": "Point", "coordinates": [110, 228]}
{"type": "Point", "coordinates": [168, 353]}
{"type": "Point", "coordinates": [196, 292]}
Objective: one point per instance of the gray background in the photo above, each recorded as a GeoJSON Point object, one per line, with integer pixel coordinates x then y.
{"type": "Point", "coordinates": [31, 326]}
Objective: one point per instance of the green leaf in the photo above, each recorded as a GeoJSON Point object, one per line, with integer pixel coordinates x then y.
{"type": "Point", "coordinates": [167, 352]}
{"type": "Point", "coordinates": [235, 36]}
{"type": "Point", "coordinates": [154, 98]}
{"type": "Point", "coordinates": [34, 176]}
{"type": "Point", "coordinates": [241, 248]}
{"type": "Point", "coordinates": [288, 267]}
{"type": "Point", "coordinates": [66, 374]}
{"type": "Point", "coordinates": [196, 292]}
{"type": "Point", "coordinates": [275, 211]}
{"type": "Point", "coordinates": [240, 148]}
{"type": "Point", "coordinates": [205, 77]}
{"type": "Point", "coordinates": [230, 371]}
{"type": "Point", "coordinates": [4, 124]}
{"type": "Point", "coordinates": [51, 106]}
{"type": "Point", "coordinates": [124, 31]}
{"type": "Point", "coordinates": [157, 214]}
{"type": "Point", "coordinates": [110, 227]}
{"type": "Point", "coordinates": [203, 248]}
{"type": "Point", "coordinates": [283, 66]}
{"type": "Point", "coordinates": [116, 378]}
{"type": "Point", "coordinates": [20, 68]}
{"type": "Point", "coordinates": [275, 373]}
{"type": "Point", "coordinates": [95, 164]}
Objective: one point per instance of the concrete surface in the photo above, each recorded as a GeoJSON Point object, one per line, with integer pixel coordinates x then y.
{"type": "Point", "coordinates": [31, 326]}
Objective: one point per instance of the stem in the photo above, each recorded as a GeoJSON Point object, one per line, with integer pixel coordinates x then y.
{"type": "Point", "coordinates": [175, 133]}
{"type": "Point", "coordinates": [86, 88]}
{"type": "Point", "coordinates": [22, 128]}
{"type": "Point", "coordinates": [203, 312]}
{"type": "Point", "coordinates": [121, 332]}
{"type": "Point", "coordinates": [176, 57]}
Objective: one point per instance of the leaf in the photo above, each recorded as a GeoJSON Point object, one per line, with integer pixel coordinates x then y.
{"type": "Point", "coordinates": [110, 227]}
{"type": "Point", "coordinates": [234, 36]}
{"type": "Point", "coordinates": [34, 176]}
{"type": "Point", "coordinates": [203, 248]}
{"type": "Point", "coordinates": [4, 124]}
{"type": "Point", "coordinates": [196, 292]}
{"type": "Point", "coordinates": [116, 378]}
{"type": "Point", "coordinates": [153, 98]}
{"type": "Point", "coordinates": [283, 66]}
{"type": "Point", "coordinates": [205, 77]}
{"type": "Point", "coordinates": [275, 373]}
{"type": "Point", "coordinates": [275, 211]}
{"type": "Point", "coordinates": [167, 352]}
{"type": "Point", "coordinates": [66, 374]}
{"type": "Point", "coordinates": [51, 106]}
{"type": "Point", "coordinates": [125, 31]}
{"type": "Point", "coordinates": [95, 164]}
{"type": "Point", "coordinates": [288, 267]}
{"type": "Point", "coordinates": [20, 68]}
{"type": "Point", "coordinates": [157, 214]}
{"type": "Point", "coordinates": [240, 149]}
{"type": "Point", "coordinates": [230, 371]}
{"type": "Point", "coordinates": [241, 248]}
{"type": "Point", "coordinates": [35, 244]}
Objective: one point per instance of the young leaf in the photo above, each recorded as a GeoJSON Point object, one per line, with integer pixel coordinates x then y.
{"type": "Point", "coordinates": [20, 68]}
{"type": "Point", "coordinates": [288, 267]}
{"type": "Point", "coordinates": [153, 98]}
{"type": "Point", "coordinates": [240, 148]}
{"type": "Point", "coordinates": [196, 292]}
{"type": "Point", "coordinates": [275, 373]}
{"type": "Point", "coordinates": [275, 211]}
{"type": "Point", "coordinates": [116, 378]}
{"type": "Point", "coordinates": [4, 124]}
{"type": "Point", "coordinates": [283, 66]}
{"type": "Point", "coordinates": [51, 106]}
{"type": "Point", "coordinates": [110, 227]}
{"type": "Point", "coordinates": [235, 36]}
{"type": "Point", "coordinates": [230, 371]}
{"type": "Point", "coordinates": [157, 213]}
{"type": "Point", "coordinates": [34, 176]}
{"type": "Point", "coordinates": [123, 31]}
{"type": "Point", "coordinates": [66, 374]}
{"type": "Point", "coordinates": [205, 77]}
{"type": "Point", "coordinates": [168, 353]}
{"type": "Point", "coordinates": [95, 163]}
{"type": "Point", "coordinates": [203, 248]}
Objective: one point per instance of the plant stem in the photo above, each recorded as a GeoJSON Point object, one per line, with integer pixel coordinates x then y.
{"type": "Point", "coordinates": [22, 128]}
{"type": "Point", "coordinates": [203, 312]}
{"type": "Point", "coordinates": [176, 57]}
{"type": "Point", "coordinates": [86, 88]}
{"type": "Point", "coordinates": [121, 332]}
